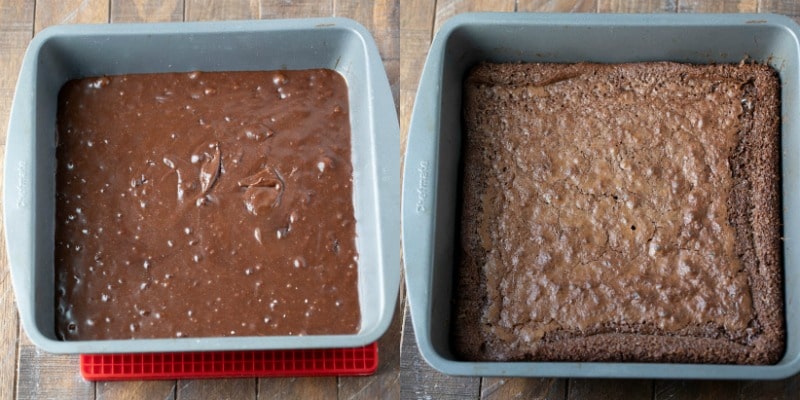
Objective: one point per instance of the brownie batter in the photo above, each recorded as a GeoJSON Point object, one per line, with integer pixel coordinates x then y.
{"type": "Point", "coordinates": [621, 212]}
{"type": "Point", "coordinates": [205, 204]}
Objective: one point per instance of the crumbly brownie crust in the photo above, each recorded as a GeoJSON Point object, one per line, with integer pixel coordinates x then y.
{"type": "Point", "coordinates": [624, 212]}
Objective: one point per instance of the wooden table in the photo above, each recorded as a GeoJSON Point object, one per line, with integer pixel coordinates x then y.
{"type": "Point", "coordinates": [407, 29]}
{"type": "Point", "coordinates": [27, 372]}
{"type": "Point", "coordinates": [419, 20]}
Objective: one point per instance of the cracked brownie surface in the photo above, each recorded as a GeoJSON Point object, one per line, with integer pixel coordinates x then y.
{"type": "Point", "coordinates": [620, 212]}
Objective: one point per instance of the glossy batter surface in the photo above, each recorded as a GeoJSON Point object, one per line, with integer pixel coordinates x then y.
{"type": "Point", "coordinates": [205, 204]}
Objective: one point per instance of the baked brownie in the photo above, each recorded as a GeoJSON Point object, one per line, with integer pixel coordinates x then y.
{"type": "Point", "coordinates": [626, 212]}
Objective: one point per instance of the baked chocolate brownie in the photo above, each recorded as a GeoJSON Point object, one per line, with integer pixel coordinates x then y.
{"type": "Point", "coordinates": [620, 212]}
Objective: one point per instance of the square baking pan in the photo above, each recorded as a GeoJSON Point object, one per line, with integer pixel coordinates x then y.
{"type": "Point", "coordinates": [61, 53]}
{"type": "Point", "coordinates": [430, 175]}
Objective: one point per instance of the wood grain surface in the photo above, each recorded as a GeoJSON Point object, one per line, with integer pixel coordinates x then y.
{"type": "Point", "coordinates": [16, 29]}
{"type": "Point", "coordinates": [403, 30]}
{"type": "Point", "coordinates": [29, 373]}
{"type": "Point", "coordinates": [418, 380]}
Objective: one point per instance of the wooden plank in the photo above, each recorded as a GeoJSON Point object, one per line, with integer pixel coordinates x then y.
{"type": "Point", "coordinates": [419, 381]}
{"type": "Point", "coordinates": [240, 389]}
{"type": "Point", "coordinates": [710, 389]}
{"type": "Point", "coordinates": [43, 375]}
{"type": "Point", "coordinates": [417, 378]}
{"type": "Point", "coordinates": [49, 376]}
{"type": "Point", "coordinates": [641, 6]}
{"type": "Point", "coordinates": [385, 383]}
{"type": "Point", "coordinates": [142, 11]}
{"type": "Point", "coordinates": [503, 388]}
{"type": "Point", "coordinates": [382, 19]}
{"type": "Point", "coordinates": [603, 389]}
{"type": "Point", "coordinates": [40, 374]}
{"type": "Point", "coordinates": [135, 390]}
{"type": "Point", "coordinates": [418, 22]}
{"type": "Point", "coordinates": [16, 28]}
{"type": "Point", "coordinates": [520, 388]}
{"type": "Point", "coordinates": [416, 26]}
{"type": "Point", "coordinates": [579, 388]}
{"type": "Point", "coordinates": [9, 329]}
{"type": "Point", "coordinates": [208, 10]}
{"type": "Point", "coordinates": [271, 9]}
{"type": "Point", "coordinates": [770, 390]}
{"type": "Point", "coordinates": [721, 6]}
{"type": "Point", "coordinates": [302, 388]}
{"type": "Point", "coordinates": [495, 388]}
{"type": "Point", "coordinates": [789, 8]}
{"type": "Point", "coordinates": [55, 376]}
{"type": "Point", "coordinates": [297, 388]}
{"type": "Point", "coordinates": [448, 8]}
{"type": "Point", "coordinates": [787, 388]}
{"type": "Point", "coordinates": [146, 10]}
{"type": "Point", "coordinates": [56, 12]}
{"type": "Point", "coordinates": [700, 390]}
{"type": "Point", "coordinates": [416, 31]}
{"type": "Point", "coordinates": [392, 68]}
{"type": "Point", "coordinates": [557, 6]}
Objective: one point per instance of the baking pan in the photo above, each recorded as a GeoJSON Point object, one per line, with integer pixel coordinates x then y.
{"type": "Point", "coordinates": [431, 164]}
{"type": "Point", "coordinates": [61, 53]}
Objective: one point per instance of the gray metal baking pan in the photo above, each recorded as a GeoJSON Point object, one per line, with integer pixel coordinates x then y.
{"type": "Point", "coordinates": [61, 53]}
{"type": "Point", "coordinates": [431, 165]}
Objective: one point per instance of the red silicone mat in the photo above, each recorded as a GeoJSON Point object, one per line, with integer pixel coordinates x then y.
{"type": "Point", "coordinates": [231, 364]}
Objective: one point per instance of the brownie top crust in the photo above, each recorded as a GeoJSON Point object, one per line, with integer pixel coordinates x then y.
{"type": "Point", "coordinates": [605, 201]}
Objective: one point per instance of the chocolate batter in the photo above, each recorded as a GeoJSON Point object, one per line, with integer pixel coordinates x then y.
{"type": "Point", "coordinates": [205, 204]}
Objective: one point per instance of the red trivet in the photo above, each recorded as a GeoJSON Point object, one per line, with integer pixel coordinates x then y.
{"type": "Point", "coordinates": [230, 364]}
